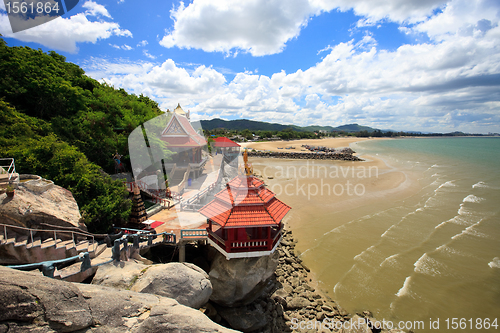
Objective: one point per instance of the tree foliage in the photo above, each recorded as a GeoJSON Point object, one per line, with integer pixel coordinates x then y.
{"type": "Point", "coordinates": [65, 126]}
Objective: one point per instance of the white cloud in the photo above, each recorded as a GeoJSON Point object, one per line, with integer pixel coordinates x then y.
{"type": "Point", "coordinates": [126, 47]}
{"type": "Point", "coordinates": [142, 43]}
{"type": "Point", "coordinates": [259, 27]}
{"type": "Point", "coordinates": [263, 27]}
{"type": "Point", "coordinates": [94, 9]}
{"type": "Point", "coordinates": [64, 33]}
{"type": "Point", "coordinates": [147, 54]}
{"type": "Point", "coordinates": [168, 83]}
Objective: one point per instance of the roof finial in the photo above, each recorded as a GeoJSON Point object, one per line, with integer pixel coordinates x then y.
{"type": "Point", "coordinates": [248, 167]}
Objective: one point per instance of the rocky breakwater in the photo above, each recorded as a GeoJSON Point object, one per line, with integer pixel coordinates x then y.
{"type": "Point", "coordinates": [306, 309]}
{"type": "Point", "coordinates": [305, 156]}
{"type": "Point", "coordinates": [30, 302]}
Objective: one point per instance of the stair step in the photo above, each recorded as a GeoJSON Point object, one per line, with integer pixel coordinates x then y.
{"type": "Point", "coordinates": [36, 242]}
{"type": "Point", "coordinates": [82, 246]}
{"type": "Point", "coordinates": [48, 243]}
{"type": "Point", "coordinates": [21, 242]}
{"type": "Point", "coordinates": [65, 244]}
{"type": "Point", "coordinates": [10, 240]}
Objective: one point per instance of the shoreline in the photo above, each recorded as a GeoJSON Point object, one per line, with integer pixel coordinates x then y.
{"type": "Point", "coordinates": [390, 184]}
{"type": "Point", "coordinates": [306, 306]}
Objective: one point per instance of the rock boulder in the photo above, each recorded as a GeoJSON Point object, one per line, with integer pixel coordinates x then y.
{"type": "Point", "coordinates": [31, 302]}
{"type": "Point", "coordinates": [239, 282]}
{"type": "Point", "coordinates": [186, 283]}
{"type": "Point", "coordinates": [27, 208]}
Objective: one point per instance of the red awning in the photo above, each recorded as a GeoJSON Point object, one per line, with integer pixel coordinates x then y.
{"type": "Point", "coordinates": [224, 142]}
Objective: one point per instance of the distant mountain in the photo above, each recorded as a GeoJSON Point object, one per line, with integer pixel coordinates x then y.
{"type": "Point", "coordinates": [354, 128]}
{"type": "Point", "coordinates": [241, 124]}
{"type": "Point", "coordinates": [252, 125]}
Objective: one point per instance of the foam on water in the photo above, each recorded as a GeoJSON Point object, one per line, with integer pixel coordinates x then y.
{"type": "Point", "coordinates": [472, 198]}
{"type": "Point", "coordinates": [480, 184]}
{"type": "Point", "coordinates": [446, 184]}
{"type": "Point", "coordinates": [405, 289]}
{"type": "Point", "coordinates": [495, 263]}
{"type": "Point", "coordinates": [451, 251]}
{"type": "Point", "coordinates": [429, 266]}
{"type": "Point", "coordinates": [471, 232]}
{"type": "Point", "coordinates": [391, 260]}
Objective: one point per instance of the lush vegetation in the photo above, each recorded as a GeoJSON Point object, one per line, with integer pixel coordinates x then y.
{"type": "Point", "coordinates": [64, 126]}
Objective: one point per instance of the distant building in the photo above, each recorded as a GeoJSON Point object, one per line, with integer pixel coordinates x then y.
{"type": "Point", "coordinates": [182, 139]}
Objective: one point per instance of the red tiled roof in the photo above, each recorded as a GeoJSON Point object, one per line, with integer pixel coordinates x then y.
{"type": "Point", "coordinates": [224, 142]}
{"type": "Point", "coordinates": [249, 204]}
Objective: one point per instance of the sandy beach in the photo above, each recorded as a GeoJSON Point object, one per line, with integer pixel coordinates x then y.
{"type": "Point", "coordinates": [327, 142]}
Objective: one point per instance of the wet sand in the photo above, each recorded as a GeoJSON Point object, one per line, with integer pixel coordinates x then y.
{"type": "Point", "coordinates": [327, 142]}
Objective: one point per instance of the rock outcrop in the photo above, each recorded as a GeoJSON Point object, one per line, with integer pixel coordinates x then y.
{"type": "Point", "coordinates": [186, 283]}
{"type": "Point", "coordinates": [239, 282]}
{"type": "Point", "coordinates": [30, 302]}
{"type": "Point", "coordinates": [54, 205]}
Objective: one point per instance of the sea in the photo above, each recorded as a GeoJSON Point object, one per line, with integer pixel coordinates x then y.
{"type": "Point", "coordinates": [430, 262]}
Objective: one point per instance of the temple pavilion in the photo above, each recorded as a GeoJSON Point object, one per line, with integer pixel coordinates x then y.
{"type": "Point", "coordinates": [244, 219]}
{"type": "Point", "coordinates": [185, 142]}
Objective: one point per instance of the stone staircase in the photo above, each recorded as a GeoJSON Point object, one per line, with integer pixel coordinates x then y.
{"type": "Point", "coordinates": [17, 249]}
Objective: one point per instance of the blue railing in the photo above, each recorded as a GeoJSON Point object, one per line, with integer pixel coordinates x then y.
{"type": "Point", "coordinates": [48, 267]}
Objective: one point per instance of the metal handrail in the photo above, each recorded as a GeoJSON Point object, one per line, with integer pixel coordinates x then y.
{"type": "Point", "coordinates": [12, 167]}
{"type": "Point", "coordinates": [5, 226]}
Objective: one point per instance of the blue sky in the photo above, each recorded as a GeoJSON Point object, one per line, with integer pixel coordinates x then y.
{"type": "Point", "coordinates": [430, 65]}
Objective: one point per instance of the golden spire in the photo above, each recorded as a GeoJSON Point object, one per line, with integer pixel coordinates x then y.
{"type": "Point", "coordinates": [248, 167]}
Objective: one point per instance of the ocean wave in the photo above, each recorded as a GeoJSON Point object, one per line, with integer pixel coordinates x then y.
{"type": "Point", "coordinates": [435, 175]}
{"type": "Point", "coordinates": [391, 260]}
{"type": "Point", "coordinates": [472, 198]}
{"type": "Point", "coordinates": [495, 263]}
{"type": "Point", "coordinates": [451, 251]}
{"type": "Point", "coordinates": [446, 184]}
{"type": "Point", "coordinates": [429, 266]}
{"type": "Point", "coordinates": [405, 289]}
{"type": "Point", "coordinates": [471, 232]}
{"type": "Point", "coordinates": [480, 185]}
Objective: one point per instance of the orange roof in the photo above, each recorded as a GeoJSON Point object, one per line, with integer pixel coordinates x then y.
{"type": "Point", "coordinates": [245, 202]}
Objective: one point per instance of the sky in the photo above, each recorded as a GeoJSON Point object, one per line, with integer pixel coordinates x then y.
{"type": "Point", "coordinates": [421, 65]}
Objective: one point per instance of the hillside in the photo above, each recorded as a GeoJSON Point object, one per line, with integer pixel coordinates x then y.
{"type": "Point", "coordinates": [58, 123]}
{"type": "Point", "coordinates": [252, 125]}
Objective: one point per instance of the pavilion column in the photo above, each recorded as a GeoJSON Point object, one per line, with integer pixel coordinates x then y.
{"type": "Point", "coordinates": [182, 251]}
{"type": "Point", "coordinates": [269, 240]}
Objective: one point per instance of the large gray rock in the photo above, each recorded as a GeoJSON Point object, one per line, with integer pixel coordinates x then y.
{"type": "Point", "coordinates": [27, 208]}
{"type": "Point", "coordinates": [31, 302]}
{"type": "Point", "coordinates": [120, 275]}
{"type": "Point", "coordinates": [186, 283]}
{"type": "Point", "coordinates": [239, 282]}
